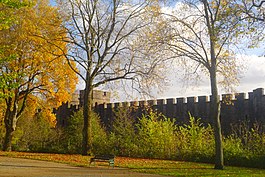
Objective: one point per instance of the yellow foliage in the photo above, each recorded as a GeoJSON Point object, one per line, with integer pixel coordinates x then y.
{"type": "Point", "coordinates": [43, 78]}
{"type": "Point", "coordinates": [39, 64]}
{"type": "Point", "coordinates": [49, 116]}
{"type": "Point", "coordinates": [37, 107]}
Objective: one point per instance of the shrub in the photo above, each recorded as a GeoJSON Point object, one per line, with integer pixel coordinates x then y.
{"type": "Point", "coordinates": [35, 134]}
{"type": "Point", "coordinates": [233, 148]}
{"type": "Point", "coordinates": [156, 136]}
{"type": "Point", "coordinates": [73, 134]}
{"type": "Point", "coordinates": [153, 136]}
{"type": "Point", "coordinates": [99, 137]}
{"type": "Point", "coordinates": [246, 146]}
{"type": "Point", "coordinates": [123, 135]}
{"type": "Point", "coordinates": [72, 138]}
{"type": "Point", "coordinates": [195, 142]}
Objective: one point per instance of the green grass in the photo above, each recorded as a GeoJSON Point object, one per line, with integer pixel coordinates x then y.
{"type": "Point", "coordinates": [181, 168]}
{"type": "Point", "coordinates": [154, 166]}
{"type": "Point", "coordinates": [191, 171]}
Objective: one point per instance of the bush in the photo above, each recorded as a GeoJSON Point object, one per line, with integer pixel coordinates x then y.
{"type": "Point", "coordinates": [156, 136]}
{"type": "Point", "coordinates": [35, 134]}
{"type": "Point", "coordinates": [246, 146]}
{"type": "Point", "coordinates": [152, 136]}
{"type": "Point", "coordinates": [123, 135]}
{"type": "Point", "coordinates": [195, 141]}
{"type": "Point", "coordinates": [233, 148]}
{"type": "Point", "coordinates": [73, 134]}
{"type": "Point", "coordinates": [101, 144]}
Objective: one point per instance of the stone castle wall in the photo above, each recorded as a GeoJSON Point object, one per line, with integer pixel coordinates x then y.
{"type": "Point", "coordinates": [68, 109]}
{"type": "Point", "coordinates": [99, 97]}
{"type": "Point", "coordinates": [235, 108]}
{"type": "Point", "coordinates": [238, 108]}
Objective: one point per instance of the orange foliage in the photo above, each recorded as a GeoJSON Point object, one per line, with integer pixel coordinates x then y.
{"type": "Point", "coordinates": [37, 106]}
{"type": "Point", "coordinates": [40, 66]}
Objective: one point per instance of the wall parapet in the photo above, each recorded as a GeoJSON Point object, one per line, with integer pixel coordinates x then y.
{"type": "Point", "coordinates": [234, 108]}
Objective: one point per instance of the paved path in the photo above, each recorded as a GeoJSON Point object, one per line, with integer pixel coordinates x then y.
{"type": "Point", "coordinates": [17, 167]}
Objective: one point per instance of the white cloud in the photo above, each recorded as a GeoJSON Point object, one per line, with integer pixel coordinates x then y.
{"type": "Point", "coordinates": [253, 77]}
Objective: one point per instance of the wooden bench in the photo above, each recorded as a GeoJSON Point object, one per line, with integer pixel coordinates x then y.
{"type": "Point", "coordinates": [103, 158]}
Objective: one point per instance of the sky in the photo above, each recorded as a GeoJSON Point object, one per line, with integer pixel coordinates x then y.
{"type": "Point", "coordinates": [252, 77]}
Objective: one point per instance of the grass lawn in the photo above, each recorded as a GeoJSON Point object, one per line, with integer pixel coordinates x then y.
{"type": "Point", "coordinates": [163, 167]}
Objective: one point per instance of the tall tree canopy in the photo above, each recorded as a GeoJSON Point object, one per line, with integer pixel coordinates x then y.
{"type": "Point", "coordinates": [34, 67]}
{"type": "Point", "coordinates": [102, 37]}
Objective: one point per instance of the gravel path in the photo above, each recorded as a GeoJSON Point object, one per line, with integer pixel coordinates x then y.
{"type": "Point", "coordinates": [17, 167]}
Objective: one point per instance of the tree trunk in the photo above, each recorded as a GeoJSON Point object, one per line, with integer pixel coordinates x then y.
{"type": "Point", "coordinates": [7, 146]}
{"type": "Point", "coordinates": [215, 115]}
{"type": "Point", "coordinates": [10, 126]}
{"type": "Point", "coordinates": [87, 114]}
{"type": "Point", "coordinates": [215, 102]}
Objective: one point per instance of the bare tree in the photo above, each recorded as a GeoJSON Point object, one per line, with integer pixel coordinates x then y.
{"type": "Point", "coordinates": [254, 9]}
{"type": "Point", "coordinates": [201, 34]}
{"type": "Point", "coordinates": [103, 38]}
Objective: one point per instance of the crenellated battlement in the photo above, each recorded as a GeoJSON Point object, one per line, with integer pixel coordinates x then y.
{"type": "Point", "coordinates": [234, 108]}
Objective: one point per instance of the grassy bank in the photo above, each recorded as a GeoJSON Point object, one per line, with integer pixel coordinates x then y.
{"type": "Point", "coordinates": [163, 167]}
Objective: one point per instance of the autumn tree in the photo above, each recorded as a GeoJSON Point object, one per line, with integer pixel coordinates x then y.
{"type": "Point", "coordinates": [102, 39]}
{"type": "Point", "coordinates": [201, 35]}
{"type": "Point", "coordinates": [36, 71]}
{"type": "Point", "coordinates": [7, 18]}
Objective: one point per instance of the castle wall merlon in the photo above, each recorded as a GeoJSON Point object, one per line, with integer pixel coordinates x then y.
{"type": "Point", "coordinates": [203, 99]}
{"type": "Point", "coordinates": [191, 100]}
{"type": "Point", "coordinates": [235, 108]}
{"type": "Point", "coordinates": [181, 100]}
{"type": "Point", "coordinates": [240, 96]}
{"type": "Point", "coordinates": [171, 101]}
{"type": "Point", "coordinates": [143, 103]}
{"type": "Point", "coordinates": [228, 97]}
{"type": "Point", "coordinates": [134, 103]}
{"type": "Point", "coordinates": [161, 102]}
